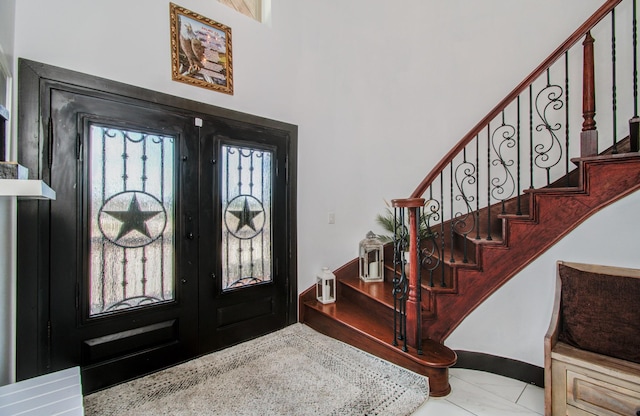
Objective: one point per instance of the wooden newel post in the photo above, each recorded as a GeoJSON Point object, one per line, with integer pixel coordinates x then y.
{"type": "Point", "coordinates": [589, 134]}
{"type": "Point", "coordinates": [414, 315]}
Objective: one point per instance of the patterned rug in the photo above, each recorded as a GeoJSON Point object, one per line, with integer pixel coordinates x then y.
{"type": "Point", "coordinates": [294, 371]}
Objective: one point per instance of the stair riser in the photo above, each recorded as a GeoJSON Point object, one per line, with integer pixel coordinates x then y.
{"type": "Point", "coordinates": [382, 312]}
{"type": "Point", "coordinates": [465, 240]}
{"type": "Point", "coordinates": [555, 213]}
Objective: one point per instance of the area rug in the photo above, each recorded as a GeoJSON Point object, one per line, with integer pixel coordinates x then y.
{"type": "Point", "coordinates": [294, 371]}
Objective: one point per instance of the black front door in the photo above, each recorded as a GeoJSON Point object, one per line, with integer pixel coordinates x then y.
{"type": "Point", "coordinates": [244, 187]}
{"type": "Point", "coordinates": [167, 239]}
{"type": "Point", "coordinates": [124, 265]}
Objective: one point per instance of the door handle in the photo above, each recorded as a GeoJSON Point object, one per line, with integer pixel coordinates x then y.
{"type": "Point", "coordinates": [190, 236]}
{"type": "Point", "coordinates": [183, 281]}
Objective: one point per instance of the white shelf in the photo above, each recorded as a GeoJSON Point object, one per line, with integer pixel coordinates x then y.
{"type": "Point", "coordinates": [26, 189]}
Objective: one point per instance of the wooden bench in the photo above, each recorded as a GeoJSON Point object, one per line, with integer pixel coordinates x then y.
{"type": "Point", "coordinates": [590, 316]}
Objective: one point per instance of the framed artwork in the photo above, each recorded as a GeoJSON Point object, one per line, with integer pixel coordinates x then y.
{"type": "Point", "coordinates": [200, 51]}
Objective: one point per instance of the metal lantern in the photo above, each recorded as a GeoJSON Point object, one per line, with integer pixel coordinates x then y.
{"type": "Point", "coordinates": [371, 259]}
{"type": "Point", "coordinates": [326, 286]}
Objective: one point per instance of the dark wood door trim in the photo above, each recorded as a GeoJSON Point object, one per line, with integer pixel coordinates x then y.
{"type": "Point", "coordinates": [36, 80]}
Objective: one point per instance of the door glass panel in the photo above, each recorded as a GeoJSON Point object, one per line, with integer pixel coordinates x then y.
{"type": "Point", "coordinates": [131, 219]}
{"type": "Point", "coordinates": [246, 216]}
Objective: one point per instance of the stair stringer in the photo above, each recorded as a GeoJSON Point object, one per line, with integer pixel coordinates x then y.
{"type": "Point", "coordinates": [554, 213]}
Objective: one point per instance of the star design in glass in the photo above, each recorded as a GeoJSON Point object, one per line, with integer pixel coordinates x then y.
{"type": "Point", "coordinates": [245, 216]}
{"type": "Point", "coordinates": [133, 219]}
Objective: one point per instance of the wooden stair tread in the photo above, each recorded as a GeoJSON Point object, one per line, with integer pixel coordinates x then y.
{"type": "Point", "coordinates": [555, 211]}
{"type": "Point", "coordinates": [358, 319]}
{"type": "Point", "coordinates": [381, 292]}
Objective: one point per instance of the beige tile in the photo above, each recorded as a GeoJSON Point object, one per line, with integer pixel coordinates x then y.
{"type": "Point", "coordinates": [532, 398]}
{"type": "Point", "coordinates": [507, 388]}
{"type": "Point", "coordinates": [481, 402]}
{"type": "Point", "coordinates": [440, 407]}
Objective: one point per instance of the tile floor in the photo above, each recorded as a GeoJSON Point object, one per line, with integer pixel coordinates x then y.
{"type": "Point", "coordinates": [477, 393]}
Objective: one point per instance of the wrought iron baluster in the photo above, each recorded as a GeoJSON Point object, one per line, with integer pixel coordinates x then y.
{"type": "Point", "coordinates": [396, 282]}
{"type": "Point", "coordinates": [518, 189]}
{"type": "Point", "coordinates": [634, 122]}
{"type": "Point", "coordinates": [419, 214]}
{"type": "Point", "coordinates": [429, 250]}
{"type": "Point", "coordinates": [452, 259]}
{"type": "Point", "coordinates": [635, 59]}
{"type": "Point", "coordinates": [531, 136]}
{"type": "Point", "coordinates": [464, 176]}
{"type": "Point", "coordinates": [442, 283]}
{"type": "Point", "coordinates": [428, 227]}
{"type": "Point", "coordinates": [477, 213]}
{"type": "Point", "coordinates": [548, 154]}
{"type": "Point", "coordinates": [614, 106]}
{"type": "Point", "coordinates": [489, 182]}
{"type": "Point", "coordinates": [566, 112]}
{"type": "Point", "coordinates": [503, 183]}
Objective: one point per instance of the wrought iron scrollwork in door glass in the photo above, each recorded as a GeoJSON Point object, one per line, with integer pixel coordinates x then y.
{"type": "Point", "coordinates": [247, 176]}
{"type": "Point", "coordinates": [131, 219]}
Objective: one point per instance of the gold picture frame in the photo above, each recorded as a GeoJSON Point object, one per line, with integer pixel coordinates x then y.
{"type": "Point", "coordinates": [200, 51]}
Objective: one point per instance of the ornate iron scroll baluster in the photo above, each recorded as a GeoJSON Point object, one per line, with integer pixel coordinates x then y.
{"type": "Point", "coordinates": [549, 98]}
{"type": "Point", "coordinates": [429, 252]}
{"type": "Point", "coordinates": [465, 221]}
{"type": "Point", "coordinates": [502, 139]}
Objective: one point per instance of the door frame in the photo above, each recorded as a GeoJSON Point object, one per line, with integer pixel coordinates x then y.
{"type": "Point", "coordinates": [36, 80]}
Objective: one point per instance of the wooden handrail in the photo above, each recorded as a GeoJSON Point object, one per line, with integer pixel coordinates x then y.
{"type": "Point", "coordinates": [557, 54]}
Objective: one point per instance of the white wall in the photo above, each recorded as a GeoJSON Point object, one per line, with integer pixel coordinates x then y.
{"type": "Point", "coordinates": [380, 91]}
{"type": "Point", "coordinates": [7, 226]}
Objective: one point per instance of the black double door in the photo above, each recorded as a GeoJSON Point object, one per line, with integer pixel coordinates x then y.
{"type": "Point", "coordinates": [167, 238]}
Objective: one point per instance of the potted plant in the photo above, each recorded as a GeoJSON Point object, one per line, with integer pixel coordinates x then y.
{"type": "Point", "coordinates": [401, 232]}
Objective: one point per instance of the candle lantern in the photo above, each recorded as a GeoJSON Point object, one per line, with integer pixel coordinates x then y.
{"type": "Point", "coordinates": [371, 259]}
{"type": "Point", "coordinates": [326, 286]}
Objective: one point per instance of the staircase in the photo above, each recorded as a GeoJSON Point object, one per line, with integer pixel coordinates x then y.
{"type": "Point", "coordinates": [362, 316]}
{"type": "Point", "coordinates": [517, 183]}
